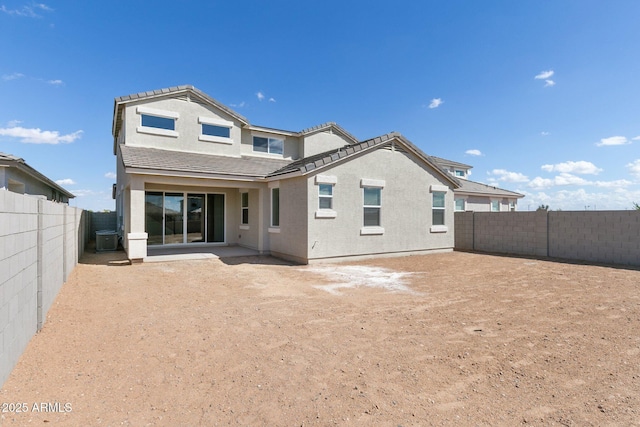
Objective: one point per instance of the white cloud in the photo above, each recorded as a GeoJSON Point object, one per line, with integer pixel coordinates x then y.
{"type": "Point", "coordinates": [13, 123]}
{"type": "Point", "coordinates": [637, 138]}
{"type": "Point", "coordinates": [473, 152]}
{"type": "Point", "coordinates": [579, 167]}
{"type": "Point", "coordinates": [29, 11]}
{"type": "Point", "coordinates": [110, 175]}
{"type": "Point", "coordinates": [507, 176]}
{"type": "Point", "coordinates": [272, 100]}
{"type": "Point", "coordinates": [634, 168]}
{"type": "Point", "coordinates": [38, 136]}
{"type": "Point", "coordinates": [66, 181]}
{"type": "Point", "coordinates": [549, 83]}
{"type": "Point", "coordinates": [240, 105]}
{"type": "Point", "coordinates": [613, 140]}
{"type": "Point", "coordinates": [260, 95]}
{"type": "Point", "coordinates": [544, 133]}
{"type": "Point", "coordinates": [544, 75]}
{"type": "Point", "coordinates": [618, 183]}
{"type": "Point", "coordinates": [579, 199]}
{"type": "Point", "coordinates": [14, 76]}
{"type": "Point", "coordinates": [55, 82]}
{"type": "Point", "coordinates": [436, 102]}
{"type": "Point", "coordinates": [565, 179]}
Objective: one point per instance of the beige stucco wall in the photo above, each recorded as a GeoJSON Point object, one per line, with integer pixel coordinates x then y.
{"type": "Point", "coordinates": [291, 240]}
{"type": "Point", "coordinates": [322, 141]}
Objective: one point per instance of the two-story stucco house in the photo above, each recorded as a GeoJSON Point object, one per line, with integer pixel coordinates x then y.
{"type": "Point", "coordinates": [191, 171]}
{"type": "Point", "coordinates": [475, 196]}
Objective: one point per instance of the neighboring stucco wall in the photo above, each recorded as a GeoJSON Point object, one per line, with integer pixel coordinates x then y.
{"type": "Point", "coordinates": [32, 186]}
{"type": "Point", "coordinates": [323, 141]}
{"type": "Point", "coordinates": [406, 213]}
{"type": "Point", "coordinates": [483, 203]}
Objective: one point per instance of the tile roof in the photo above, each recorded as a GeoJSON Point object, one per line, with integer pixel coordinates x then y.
{"type": "Point", "coordinates": [308, 164]}
{"type": "Point", "coordinates": [328, 125]}
{"type": "Point", "coordinates": [19, 163]}
{"type": "Point", "coordinates": [484, 189]}
{"type": "Point", "coordinates": [178, 161]}
{"type": "Point", "coordinates": [444, 162]}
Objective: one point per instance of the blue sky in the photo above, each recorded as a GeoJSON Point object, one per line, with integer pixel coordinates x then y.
{"type": "Point", "coordinates": [541, 97]}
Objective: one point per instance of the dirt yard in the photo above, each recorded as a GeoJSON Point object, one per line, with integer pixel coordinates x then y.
{"type": "Point", "coordinates": [447, 339]}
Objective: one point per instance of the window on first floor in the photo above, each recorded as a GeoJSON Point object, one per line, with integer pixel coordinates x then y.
{"type": "Point", "coordinates": [275, 207]}
{"type": "Point", "coordinates": [268, 145]}
{"type": "Point", "coordinates": [495, 206]}
{"type": "Point", "coordinates": [325, 196]}
{"type": "Point", "coordinates": [372, 205]}
{"type": "Point", "coordinates": [438, 208]}
{"type": "Point", "coordinates": [459, 205]}
{"type": "Point", "coordinates": [245, 208]}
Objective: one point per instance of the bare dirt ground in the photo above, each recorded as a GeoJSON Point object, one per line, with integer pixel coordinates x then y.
{"type": "Point", "coordinates": [464, 339]}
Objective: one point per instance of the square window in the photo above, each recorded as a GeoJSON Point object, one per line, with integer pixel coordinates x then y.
{"type": "Point", "coordinates": [495, 206]}
{"type": "Point", "coordinates": [459, 205]}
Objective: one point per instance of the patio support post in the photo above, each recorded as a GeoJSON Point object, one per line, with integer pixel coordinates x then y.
{"type": "Point", "coordinates": [137, 237]}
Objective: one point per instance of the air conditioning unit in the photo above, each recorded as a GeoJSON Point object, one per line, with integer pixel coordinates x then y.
{"type": "Point", "coordinates": [106, 240]}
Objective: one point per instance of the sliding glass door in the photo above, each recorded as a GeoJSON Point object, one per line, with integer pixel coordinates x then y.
{"type": "Point", "coordinates": [177, 218]}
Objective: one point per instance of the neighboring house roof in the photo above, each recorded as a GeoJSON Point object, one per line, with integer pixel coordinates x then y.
{"type": "Point", "coordinates": [20, 164]}
{"type": "Point", "coordinates": [158, 160]}
{"type": "Point", "coordinates": [309, 164]}
{"type": "Point", "coordinates": [476, 188]}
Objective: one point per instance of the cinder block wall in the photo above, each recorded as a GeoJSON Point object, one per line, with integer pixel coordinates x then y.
{"type": "Point", "coordinates": [595, 236]}
{"type": "Point", "coordinates": [463, 228]}
{"type": "Point", "coordinates": [40, 242]}
{"type": "Point", "coordinates": [103, 221]}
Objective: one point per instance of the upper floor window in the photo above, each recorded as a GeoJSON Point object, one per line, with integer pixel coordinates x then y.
{"type": "Point", "coordinates": [215, 130]}
{"type": "Point", "coordinates": [268, 145]}
{"type": "Point", "coordinates": [157, 122]}
{"type": "Point", "coordinates": [495, 206]}
{"type": "Point", "coordinates": [460, 173]}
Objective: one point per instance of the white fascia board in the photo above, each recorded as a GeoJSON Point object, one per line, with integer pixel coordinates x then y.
{"type": "Point", "coordinates": [141, 109]}
{"type": "Point", "coordinates": [260, 131]}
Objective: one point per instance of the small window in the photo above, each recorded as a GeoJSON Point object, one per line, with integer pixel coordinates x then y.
{"type": "Point", "coordinates": [495, 206]}
{"type": "Point", "coordinates": [460, 173]}
{"type": "Point", "coordinates": [438, 208]}
{"type": "Point", "coordinates": [325, 196]}
{"type": "Point", "coordinates": [268, 145]}
{"type": "Point", "coordinates": [245, 208]}
{"type": "Point", "coordinates": [275, 207]}
{"type": "Point", "coordinates": [459, 205]}
{"type": "Point", "coordinates": [512, 206]}
{"type": "Point", "coordinates": [214, 130]}
{"type": "Point", "coordinates": [372, 206]}
{"type": "Point", "coordinates": [158, 122]}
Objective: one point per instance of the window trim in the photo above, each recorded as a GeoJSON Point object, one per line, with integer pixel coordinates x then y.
{"type": "Point", "coordinates": [215, 122]}
{"type": "Point", "coordinates": [147, 111]}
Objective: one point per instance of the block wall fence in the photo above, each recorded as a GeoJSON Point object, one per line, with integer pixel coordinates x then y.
{"type": "Point", "coordinates": [40, 244]}
{"type": "Point", "coordinates": [609, 237]}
